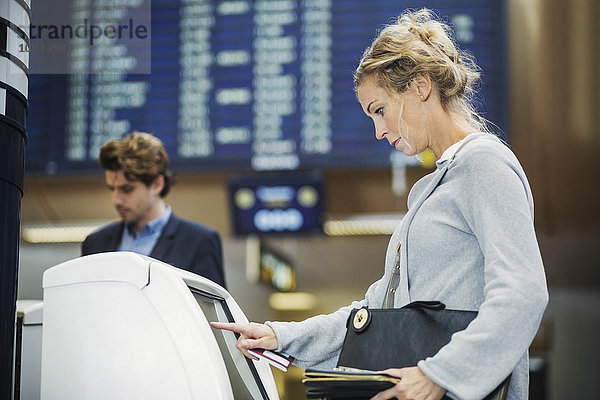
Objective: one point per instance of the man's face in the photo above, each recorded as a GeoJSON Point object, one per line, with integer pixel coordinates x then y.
{"type": "Point", "coordinates": [133, 200]}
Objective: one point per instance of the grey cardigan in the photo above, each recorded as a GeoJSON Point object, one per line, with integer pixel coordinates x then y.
{"type": "Point", "coordinates": [468, 241]}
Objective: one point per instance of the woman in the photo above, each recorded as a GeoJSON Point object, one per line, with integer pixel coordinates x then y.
{"type": "Point", "coordinates": [467, 239]}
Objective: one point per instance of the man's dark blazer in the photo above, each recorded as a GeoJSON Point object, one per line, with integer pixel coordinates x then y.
{"type": "Point", "coordinates": [182, 243]}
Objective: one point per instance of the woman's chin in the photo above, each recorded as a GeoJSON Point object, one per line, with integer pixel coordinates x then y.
{"type": "Point", "coordinates": [407, 152]}
{"type": "Point", "coordinates": [403, 146]}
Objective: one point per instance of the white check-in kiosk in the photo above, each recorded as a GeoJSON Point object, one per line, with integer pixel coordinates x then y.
{"type": "Point", "coordinates": [125, 326]}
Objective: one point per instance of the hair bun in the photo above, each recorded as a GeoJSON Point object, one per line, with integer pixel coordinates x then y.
{"type": "Point", "coordinates": [422, 33]}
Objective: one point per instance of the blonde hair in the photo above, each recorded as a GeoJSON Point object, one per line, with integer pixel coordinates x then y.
{"type": "Point", "coordinates": [140, 156]}
{"type": "Point", "coordinates": [419, 44]}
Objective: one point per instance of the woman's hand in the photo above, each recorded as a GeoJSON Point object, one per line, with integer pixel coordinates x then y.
{"type": "Point", "coordinates": [413, 385]}
{"type": "Point", "coordinates": [252, 336]}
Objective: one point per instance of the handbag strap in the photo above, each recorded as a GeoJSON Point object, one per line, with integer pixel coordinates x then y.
{"type": "Point", "coordinates": [430, 305]}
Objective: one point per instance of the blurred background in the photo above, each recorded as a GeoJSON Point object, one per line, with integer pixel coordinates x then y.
{"type": "Point", "coordinates": [250, 94]}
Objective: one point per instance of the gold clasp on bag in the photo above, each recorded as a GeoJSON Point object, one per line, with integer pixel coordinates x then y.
{"type": "Point", "coordinates": [361, 319]}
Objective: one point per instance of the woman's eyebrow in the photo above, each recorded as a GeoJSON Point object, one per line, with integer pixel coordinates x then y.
{"type": "Point", "coordinates": [369, 106]}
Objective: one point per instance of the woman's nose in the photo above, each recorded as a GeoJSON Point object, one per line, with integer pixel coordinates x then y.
{"type": "Point", "coordinates": [380, 131]}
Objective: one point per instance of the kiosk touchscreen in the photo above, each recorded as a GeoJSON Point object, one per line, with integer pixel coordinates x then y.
{"type": "Point", "coordinates": [243, 375]}
{"type": "Point", "coordinates": [121, 325]}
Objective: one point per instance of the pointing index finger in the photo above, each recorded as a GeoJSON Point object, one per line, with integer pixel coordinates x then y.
{"type": "Point", "coordinates": [229, 326]}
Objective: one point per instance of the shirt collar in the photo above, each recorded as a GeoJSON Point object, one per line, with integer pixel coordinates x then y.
{"type": "Point", "coordinates": [451, 151]}
{"type": "Point", "coordinates": [156, 225]}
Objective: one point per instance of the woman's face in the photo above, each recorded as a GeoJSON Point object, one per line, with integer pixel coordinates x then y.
{"type": "Point", "coordinates": [395, 117]}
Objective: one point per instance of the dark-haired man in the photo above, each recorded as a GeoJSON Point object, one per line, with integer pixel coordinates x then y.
{"type": "Point", "coordinates": [137, 173]}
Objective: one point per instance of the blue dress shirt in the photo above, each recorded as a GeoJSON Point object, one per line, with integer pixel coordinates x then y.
{"type": "Point", "coordinates": [145, 241]}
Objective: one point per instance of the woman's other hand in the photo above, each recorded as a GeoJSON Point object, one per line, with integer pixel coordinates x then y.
{"type": "Point", "coordinates": [252, 336]}
{"type": "Point", "coordinates": [413, 385]}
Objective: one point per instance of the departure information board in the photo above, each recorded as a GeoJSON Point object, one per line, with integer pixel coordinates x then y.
{"type": "Point", "coordinates": [263, 85]}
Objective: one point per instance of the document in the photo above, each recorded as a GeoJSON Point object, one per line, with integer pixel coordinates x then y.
{"type": "Point", "coordinates": [344, 384]}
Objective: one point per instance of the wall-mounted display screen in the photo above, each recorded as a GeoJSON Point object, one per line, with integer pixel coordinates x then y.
{"type": "Point", "coordinates": [234, 85]}
{"type": "Point", "coordinates": [277, 203]}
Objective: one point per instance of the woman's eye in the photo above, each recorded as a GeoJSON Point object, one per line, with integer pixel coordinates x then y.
{"type": "Point", "coordinates": [379, 111]}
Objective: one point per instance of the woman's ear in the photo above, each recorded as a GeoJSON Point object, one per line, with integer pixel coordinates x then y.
{"type": "Point", "coordinates": [422, 85]}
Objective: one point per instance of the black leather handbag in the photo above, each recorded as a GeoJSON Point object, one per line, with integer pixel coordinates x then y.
{"type": "Point", "coordinates": [377, 339]}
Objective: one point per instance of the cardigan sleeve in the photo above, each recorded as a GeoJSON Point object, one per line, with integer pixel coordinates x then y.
{"type": "Point", "coordinates": [498, 207]}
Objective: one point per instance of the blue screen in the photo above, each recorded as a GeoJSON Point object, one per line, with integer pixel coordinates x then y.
{"type": "Point", "coordinates": [247, 86]}
{"type": "Point", "coordinates": [279, 203]}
